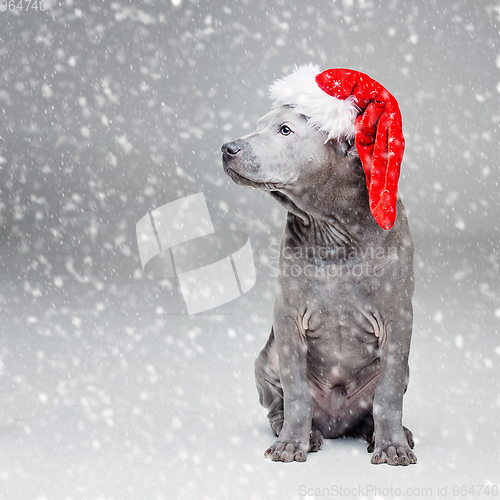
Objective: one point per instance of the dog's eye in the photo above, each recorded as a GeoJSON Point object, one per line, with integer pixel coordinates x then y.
{"type": "Point", "coordinates": [285, 130]}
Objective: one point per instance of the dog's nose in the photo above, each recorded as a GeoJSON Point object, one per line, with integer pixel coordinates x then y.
{"type": "Point", "coordinates": [230, 149]}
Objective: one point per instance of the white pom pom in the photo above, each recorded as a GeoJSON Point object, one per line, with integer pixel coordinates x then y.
{"type": "Point", "coordinates": [325, 112]}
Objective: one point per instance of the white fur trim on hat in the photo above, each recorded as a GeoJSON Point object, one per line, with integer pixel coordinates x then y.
{"type": "Point", "coordinates": [327, 113]}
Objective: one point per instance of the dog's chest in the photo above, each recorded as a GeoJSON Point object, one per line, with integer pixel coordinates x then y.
{"type": "Point", "coordinates": [337, 323]}
{"type": "Point", "coordinates": [342, 324]}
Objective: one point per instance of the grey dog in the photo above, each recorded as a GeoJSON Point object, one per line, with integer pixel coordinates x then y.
{"type": "Point", "coordinates": [336, 362]}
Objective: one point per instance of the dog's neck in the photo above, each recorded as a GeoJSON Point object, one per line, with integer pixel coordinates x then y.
{"type": "Point", "coordinates": [319, 234]}
{"type": "Point", "coordinates": [336, 226]}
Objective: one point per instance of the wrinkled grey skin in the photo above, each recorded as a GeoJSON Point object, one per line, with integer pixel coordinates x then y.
{"type": "Point", "coordinates": [336, 362]}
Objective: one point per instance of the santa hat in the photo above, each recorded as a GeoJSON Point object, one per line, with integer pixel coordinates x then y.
{"type": "Point", "coordinates": [347, 103]}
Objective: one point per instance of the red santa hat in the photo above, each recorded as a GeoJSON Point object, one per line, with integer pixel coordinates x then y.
{"type": "Point", "coordinates": [346, 103]}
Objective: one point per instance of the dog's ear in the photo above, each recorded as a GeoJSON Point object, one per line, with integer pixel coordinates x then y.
{"type": "Point", "coordinates": [351, 150]}
{"type": "Point", "coordinates": [348, 147]}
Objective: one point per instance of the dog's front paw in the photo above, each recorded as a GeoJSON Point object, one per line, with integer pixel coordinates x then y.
{"type": "Point", "coordinates": [393, 454]}
{"type": "Point", "coordinates": [288, 450]}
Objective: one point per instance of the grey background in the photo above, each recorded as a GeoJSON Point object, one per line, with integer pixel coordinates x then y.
{"type": "Point", "coordinates": [111, 109]}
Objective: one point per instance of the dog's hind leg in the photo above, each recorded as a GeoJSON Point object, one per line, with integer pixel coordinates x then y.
{"type": "Point", "coordinates": [269, 385]}
{"type": "Point", "coordinates": [363, 429]}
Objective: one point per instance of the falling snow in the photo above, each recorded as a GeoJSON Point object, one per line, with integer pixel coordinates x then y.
{"type": "Point", "coordinates": [109, 390]}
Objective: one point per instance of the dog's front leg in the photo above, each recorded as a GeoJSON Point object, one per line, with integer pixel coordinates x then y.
{"type": "Point", "coordinates": [295, 438]}
{"type": "Point", "coordinates": [392, 444]}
